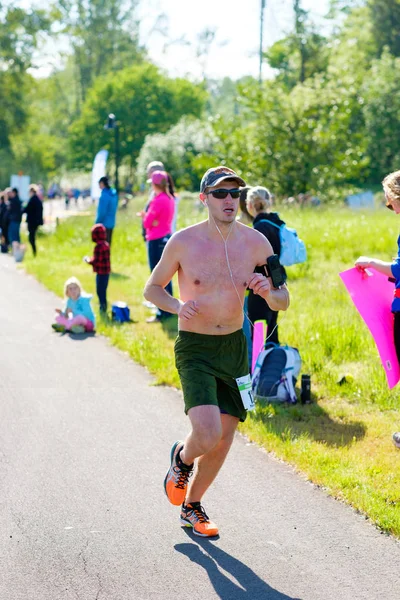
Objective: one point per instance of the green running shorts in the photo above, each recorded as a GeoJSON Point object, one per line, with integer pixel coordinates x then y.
{"type": "Point", "coordinates": [208, 366]}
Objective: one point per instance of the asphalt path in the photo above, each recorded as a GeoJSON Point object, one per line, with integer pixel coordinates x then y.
{"type": "Point", "coordinates": [85, 438]}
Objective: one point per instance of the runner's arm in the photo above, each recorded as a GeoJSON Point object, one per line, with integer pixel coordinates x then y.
{"type": "Point", "coordinates": [162, 274]}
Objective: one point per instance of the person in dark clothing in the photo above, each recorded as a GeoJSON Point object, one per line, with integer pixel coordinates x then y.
{"type": "Point", "coordinates": [100, 262]}
{"type": "Point", "coordinates": [258, 204]}
{"type": "Point", "coordinates": [34, 216]}
{"type": "Point", "coordinates": [4, 222]}
{"type": "Point", "coordinates": [14, 215]}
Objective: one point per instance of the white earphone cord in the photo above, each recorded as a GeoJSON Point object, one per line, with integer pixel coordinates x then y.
{"type": "Point", "coordinates": [233, 281]}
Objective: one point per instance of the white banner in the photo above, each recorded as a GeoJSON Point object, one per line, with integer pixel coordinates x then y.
{"type": "Point", "coordinates": [99, 170]}
{"type": "Point", "coordinates": [21, 183]}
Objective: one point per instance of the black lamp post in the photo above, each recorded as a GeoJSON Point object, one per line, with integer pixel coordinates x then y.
{"type": "Point", "coordinates": [112, 124]}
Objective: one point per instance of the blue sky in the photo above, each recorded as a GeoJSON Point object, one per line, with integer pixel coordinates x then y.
{"type": "Point", "coordinates": [237, 22]}
{"type": "Point", "coordinates": [234, 51]}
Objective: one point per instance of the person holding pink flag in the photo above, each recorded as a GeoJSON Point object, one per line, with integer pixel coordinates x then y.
{"type": "Point", "coordinates": [391, 187]}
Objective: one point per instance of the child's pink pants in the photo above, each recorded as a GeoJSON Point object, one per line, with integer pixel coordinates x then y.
{"type": "Point", "coordinates": [78, 320]}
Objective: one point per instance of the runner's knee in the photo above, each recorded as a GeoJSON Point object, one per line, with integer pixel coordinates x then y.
{"type": "Point", "coordinates": [208, 437]}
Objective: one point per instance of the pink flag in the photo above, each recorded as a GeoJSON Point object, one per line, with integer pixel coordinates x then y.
{"type": "Point", "coordinates": [372, 294]}
{"type": "Point", "coordinates": [258, 341]}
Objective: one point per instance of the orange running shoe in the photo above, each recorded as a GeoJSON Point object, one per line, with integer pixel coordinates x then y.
{"type": "Point", "coordinates": [193, 515]}
{"type": "Point", "coordinates": [176, 480]}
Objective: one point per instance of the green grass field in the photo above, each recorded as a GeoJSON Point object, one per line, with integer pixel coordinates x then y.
{"type": "Point", "coordinates": [342, 441]}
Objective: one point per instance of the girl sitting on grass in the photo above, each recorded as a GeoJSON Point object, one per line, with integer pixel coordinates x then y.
{"type": "Point", "coordinates": [391, 187]}
{"type": "Point", "coordinates": [77, 315]}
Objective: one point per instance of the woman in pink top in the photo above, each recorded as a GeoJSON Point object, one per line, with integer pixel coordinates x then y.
{"type": "Point", "coordinates": [157, 222]}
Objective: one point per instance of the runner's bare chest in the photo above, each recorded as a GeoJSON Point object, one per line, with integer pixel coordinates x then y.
{"type": "Point", "coordinates": [205, 268]}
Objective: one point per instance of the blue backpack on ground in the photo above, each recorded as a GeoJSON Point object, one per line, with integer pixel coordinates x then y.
{"type": "Point", "coordinates": [120, 312]}
{"type": "Point", "coordinates": [275, 374]}
{"type": "Point", "coordinates": [293, 249]}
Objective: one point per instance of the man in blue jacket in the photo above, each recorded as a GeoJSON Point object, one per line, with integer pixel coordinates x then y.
{"type": "Point", "coordinates": [107, 208]}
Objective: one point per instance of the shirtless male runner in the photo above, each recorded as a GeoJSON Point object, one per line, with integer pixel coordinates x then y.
{"type": "Point", "coordinates": [215, 261]}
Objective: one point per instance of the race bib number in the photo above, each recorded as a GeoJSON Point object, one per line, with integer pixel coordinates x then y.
{"type": "Point", "coordinates": [246, 393]}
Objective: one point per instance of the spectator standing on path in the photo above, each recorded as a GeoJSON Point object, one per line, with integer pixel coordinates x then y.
{"type": "Point", "coordinates": [157, 222]}
{"type": "Point", "coordinates": [216, 261]}
{"type": "Point", "coordinates": [391, 187]}
{"type": "Point", "coordinates": [100, 262]}
{"type": "Point", "coordinates": [4, 221]}
{"type": "Point", "coordinates": [34, 216]}
{"type": "Point", "coordinates": [107, 208]}
{"type": "Point", "coordinates": [14, 215]}
{"type": "Point", "coordinates": [258, 203]}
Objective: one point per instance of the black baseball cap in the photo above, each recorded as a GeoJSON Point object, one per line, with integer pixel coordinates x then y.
{"type": "Point", "coordinates": [217, 175]}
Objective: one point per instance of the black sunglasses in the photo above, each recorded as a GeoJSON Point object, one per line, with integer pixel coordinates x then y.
{"type": "Point", "coordinates": [222, 193]}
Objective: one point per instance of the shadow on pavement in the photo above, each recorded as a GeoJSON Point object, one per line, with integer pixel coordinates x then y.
{"type": "Point", "coordinates": [79, 337]}
{"type": "Point", "coordinates": [245, 584]}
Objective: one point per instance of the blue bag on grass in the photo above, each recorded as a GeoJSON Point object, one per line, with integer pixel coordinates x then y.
{"type": "Point", "coordinates": [120, 312]}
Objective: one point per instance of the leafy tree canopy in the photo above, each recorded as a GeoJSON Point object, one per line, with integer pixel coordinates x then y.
{"type": "Point", "coordinates": [19, 37]}
{"type": "Point", "coordinates": [385, 21]}
{"type": "Point", "coordinates": [104, 35]}
{"type": "Point", "coordinates": [144, 100]}
{"type": "Point", "coordinates": [177, 150]}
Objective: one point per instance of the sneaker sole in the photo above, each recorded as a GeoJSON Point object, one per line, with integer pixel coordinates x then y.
{"type": "Point", "coordinates": [172, 458]}
{"type": "Point", "coordinates": [187, 524]}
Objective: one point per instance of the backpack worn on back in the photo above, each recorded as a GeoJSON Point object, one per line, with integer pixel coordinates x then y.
{"type": "Point", "coordinates": [293, 249]}
{"type": "Point", "coordinates": [275, 374]}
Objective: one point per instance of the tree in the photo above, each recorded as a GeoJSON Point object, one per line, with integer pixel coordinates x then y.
{"type": "Point", "coordinates": [177, 150]}
{"type": "Point", "coordinates": [306, 140]}
{"type": "Point", "coordinates": [144, 100]}
{"type": "Point", "coordinates": [385, 17]}
{"type": "Point", "coordinates": [223, 96]}
{"type": "Point", "coordinates": [104, 37]}
{"type": "Point", "coordinates": [19, 31]}
{"type": "Point", "coordinates": [296, 60]}
{"type": "Point", "coordinates": [302, 53]}
{"type": "Point", "coordinates": [19, 37]}
{"type": "Point", "coordinates": [381, 109]}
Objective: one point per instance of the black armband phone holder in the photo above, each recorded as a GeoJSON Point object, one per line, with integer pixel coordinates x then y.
{"type": "Point", "coordinates": [273, 269]}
